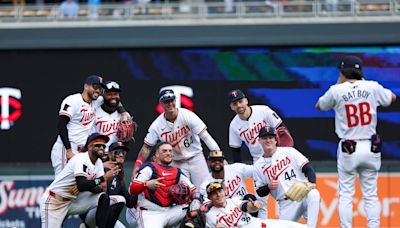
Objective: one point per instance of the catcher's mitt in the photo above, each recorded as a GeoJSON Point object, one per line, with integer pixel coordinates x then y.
{"type": "Point", "coordinates": [298, 191]}
{"type": "Point", "coordinates": [180, 193]}
{"type": "Point", "coordinates": [126, 129]}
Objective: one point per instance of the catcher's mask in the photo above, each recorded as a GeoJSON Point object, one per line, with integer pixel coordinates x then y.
{"type": "Point", "coordinates": [213, 186]}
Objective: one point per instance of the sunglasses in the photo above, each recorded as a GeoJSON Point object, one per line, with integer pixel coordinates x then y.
{"type": "Point", "coordinates": [167, 97]}
{"type": "Point", "coordinates": [100, 145]}
{"type": "Point", "coordinates": [97, 86]}
{"type": "Point", "coordinates": [213, 186]}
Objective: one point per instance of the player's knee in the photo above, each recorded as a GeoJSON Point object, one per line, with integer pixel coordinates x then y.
{"type": "Point", "coordinates": [314, 195]}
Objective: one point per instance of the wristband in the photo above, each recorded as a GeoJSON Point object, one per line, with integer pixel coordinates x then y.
{"type": "Point", "coordinates": [99, 180]}
{"type": "Point", "coordinates": [139, 162]}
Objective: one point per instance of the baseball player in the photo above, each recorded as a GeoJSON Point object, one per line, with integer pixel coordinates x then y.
{"type": "Point", "coordinates": [116, 189]}
{"type": "Point", "coordinates": [248, 121]}
{"type": "Point", "coordinates": [183, 129]}
{"type": "Point", "coordinates": [233, 212]}
{"type": "Point", "coordinates": [355, 102]}
{"type": "Point", "coordinates": [77, 188]}
{"type": "Point", "coordinates": [280, 168]}
{"type": "Point", "coordinates": [231, 176]}
{"type": "Point", "coordinates": [107, 116]}
{"type": "Point", "coordinates": [76, 118]}
{"type": "Point", "coordinates": [153, 183]}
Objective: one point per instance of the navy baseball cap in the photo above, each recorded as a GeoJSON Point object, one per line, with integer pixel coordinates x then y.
{"type": "Point", "coordinates": [235, 95]}
{"type": "Point", "coordinates": [213, 186]}
{"type": "Point", "coordinates": [94, 79]}
{"type": "Point", "coordinates": [95, 137]}
{"type": "Point", "coordinates": [112, 86]}
{"type": "Point", "coordinates": [266, 130]}
{"type": "Point", "coordinates": [118, 146]}
{"type": "Point", "coordinates": [350, 61]}
{"type": "Point", "coordinates": [216, 154]}
{"type": "Point", "coordinates": [167, 94]}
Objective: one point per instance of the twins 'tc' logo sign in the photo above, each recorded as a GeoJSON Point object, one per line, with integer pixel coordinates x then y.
{"type": "Point", "coordinates": [183, 96]}
{"type": "Point", "coordinates": [9, 97]}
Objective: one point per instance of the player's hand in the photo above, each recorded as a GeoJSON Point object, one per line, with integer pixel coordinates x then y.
{"type": "Point", "coordinates": [74, 190]}
{"type": "Point", "coordinates": [112, 172]}
{"type": "Point", "coordinates": [109, 164]}
{"type": "Point", "coordinates": [255, 204]}
{"type": "Point", "coordinates": [273, 185]}
{"type": "Point", "coordinates": [219, 226]}
{"type": "Point", "coordinates": [69, 154]}
{"type": "Point", "coordinates": [155, 183]}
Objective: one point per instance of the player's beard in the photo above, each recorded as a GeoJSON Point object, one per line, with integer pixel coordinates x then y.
{"type": "Point", "coordinates": [93, 95]}
{"type": "Point", "coordinates": [112, 103]}
{"type": "Point", "coordinates": [97, 154]}
{"type": "Point", "coordinates": [217, 170]}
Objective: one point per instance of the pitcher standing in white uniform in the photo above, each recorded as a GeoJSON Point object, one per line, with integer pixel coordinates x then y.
{"type": "Point", "coordinates": [355, 102]}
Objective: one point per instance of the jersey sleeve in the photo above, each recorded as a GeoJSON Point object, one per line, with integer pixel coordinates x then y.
{"type": "Point", "coordinates": [99, 168]}
{"type": "Point", "coordinates": [271, 117]}
{"type": "Point", "coordinates": [327, 100]}
{"type": "Point", "coordinates": [383, 96]}
{"type": "Point", "coordinates": [77, 166]}
{"type": "Point", "coordinates": [144, 174]}
{"type": "Point", "coordinates": [259, 178]}
{"type": "Point", "coordinates": [151, 136]}
{"type": "Point", "coordinates": [299, 159]}
{"type": "Point", "coordinates": [234, 138]}
{"type": "Point", "coordinates": [194, 122]}
{"type": "Point", "coordinates": [98, 102]}
{"type": "Point", "coordinates": [245, 170]}
{"type": "Point", "coordinates": [69, 106]}
{"type": "Point", "coordinates": [186, 180]}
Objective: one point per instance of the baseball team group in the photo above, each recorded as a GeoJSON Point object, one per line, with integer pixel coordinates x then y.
{"type": "Point", "coordinates": [174, 185]}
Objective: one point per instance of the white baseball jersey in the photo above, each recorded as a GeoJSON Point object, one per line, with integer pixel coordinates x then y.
{"type": "Point", "coordinates": [247, 130]}
{"type": "Point", "coordinates": [82, 115]}
{"type": "Point", "coordinates": [183, 134]}
{"type": "Point", "coordinates": [285, 165]}
{"type": "Point", "coordinates": [79, 165]}
{"type": "Point", "coordinates": [145, 175]}
{"type": "Point", "coordinates": [107, 124]}
{"type": "Point", "coordinates": [355, 106]}
{"type": "Point", "coordinates": [233, 181]}
{"type": "Point", "coordinates": [231, 215]}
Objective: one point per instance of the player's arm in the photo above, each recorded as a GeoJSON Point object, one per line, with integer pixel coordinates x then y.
{"type": "Point", "coordinates": [251, 205]}
{"type": "Point", "coordinates": [85, 184]}
{"type": "Point", "coordinates": [141, 158]}
{"type": "Point", "coordinates": [309, 173]}
{"type": "Point", "coordinates": [237, 156]}
{"type": "Point", "coordinates": [143, 181]}
{"type": "Point", "coordinates": [208, 140]}
{"type": "Point", "coordinates": [63, 132]}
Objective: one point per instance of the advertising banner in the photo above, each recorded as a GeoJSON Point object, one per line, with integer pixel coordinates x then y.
{"type": "Point", "coordinates": [389, 199]}
{"type": "Point", "coordinates": [20, 199]}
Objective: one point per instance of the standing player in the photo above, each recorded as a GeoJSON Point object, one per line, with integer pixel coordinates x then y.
{"type": "Point", "coordinates": [153, 183]}
{"type": "Point", "coordinates": [183, 129]}
{"type": "Point", "coordinates": [107, 116]}
{"type": "Point", "coordinates": [234, 212]}
{"type": "Point", "coordinates": [86, 173]}
{"type": "Point", "coordinates": [355, 102]}
{"type": "Point", "coordinates": [248, 121]}
{"type": "Point", "coordinates": [76, 118]}
{"type": "Point", "coordinates": [280, 168]}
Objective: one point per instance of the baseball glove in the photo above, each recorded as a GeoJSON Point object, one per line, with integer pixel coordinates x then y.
{"type": "Point", "coordinates": [180, 193]}
{"type": "Point", "coordinates": [298, 191]}
{"type": "Point", "coordinates": [126, 129]}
